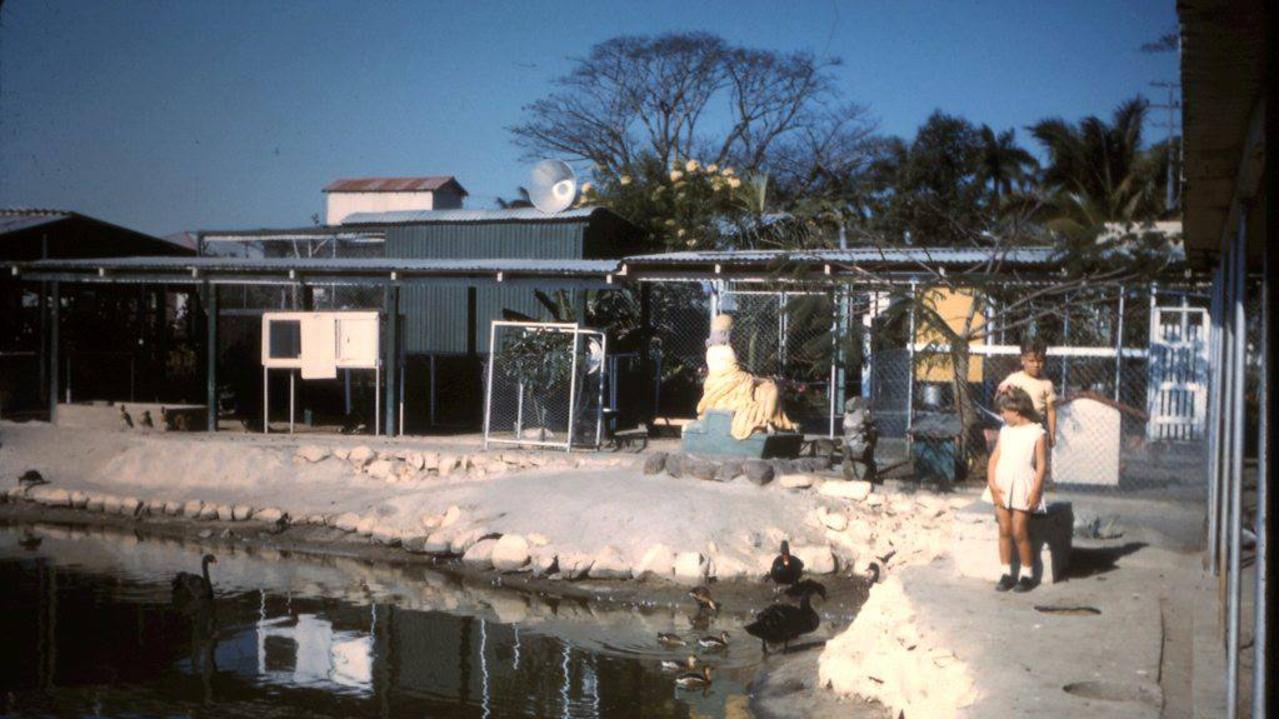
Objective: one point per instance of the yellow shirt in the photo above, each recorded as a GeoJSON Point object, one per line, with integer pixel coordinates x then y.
{"type": "Point", "coordinates": [1040, 389]}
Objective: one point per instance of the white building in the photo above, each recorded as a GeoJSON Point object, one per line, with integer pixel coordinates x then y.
{"type": "Point", "coordinates": [388, 194]}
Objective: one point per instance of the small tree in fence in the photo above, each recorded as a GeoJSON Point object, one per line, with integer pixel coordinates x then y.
{"type": "Point", "coordinates": [540, 359]}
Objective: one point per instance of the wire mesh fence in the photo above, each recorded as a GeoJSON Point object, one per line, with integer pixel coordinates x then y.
{"type": "Point", "coordinates": [546, 385]}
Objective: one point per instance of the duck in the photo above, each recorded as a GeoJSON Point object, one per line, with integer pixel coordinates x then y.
{"type": "Point", "coordinates": [146, 419]}
{"type": "Point", "coordinates": [126, 417]}
{"type": "Point", "coordinates": [786, 569]}
{"type": "Point", "coordinates": [694, 679]}
{"type": "Point", "coordinates": [671, 665]}
{"type": "Point", "coordinates": [713, 643]}
{"type": "Point", "coordinates": [191, 589]}
{"type": "Point", "coordinates": [702, 595]}
{"type": "Point", "coordinates": [782, 623]}
{"type": "Point", "coordinates": [30, 540]}
{"type": "Point", "coordinates": [671, 640]}
{"type": "Point", "coordinates": [32, 478]}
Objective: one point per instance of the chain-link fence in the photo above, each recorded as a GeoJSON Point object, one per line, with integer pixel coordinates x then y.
{"type": "Point", "coordinates": [545, 385]}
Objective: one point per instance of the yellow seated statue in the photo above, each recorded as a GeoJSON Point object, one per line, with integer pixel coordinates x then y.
{"type": "Point", "coordinates": [753, 401]}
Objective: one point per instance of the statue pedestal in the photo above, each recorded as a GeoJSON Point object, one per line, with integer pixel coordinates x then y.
{"type": "Point", "coordinates": [711, 436]}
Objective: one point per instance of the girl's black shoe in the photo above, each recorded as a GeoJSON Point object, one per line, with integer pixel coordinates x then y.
{"type": "Point", "coordinates": [1004, 584]}
{"type": "Point", "coordinates": [1025, 584]}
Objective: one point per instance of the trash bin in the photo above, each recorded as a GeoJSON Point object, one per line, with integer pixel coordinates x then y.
{"type": "Point", "coordinates": [935, 446]}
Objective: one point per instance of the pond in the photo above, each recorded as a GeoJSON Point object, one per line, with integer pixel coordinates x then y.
{"type": "Point", "coordinates": [90, 629]}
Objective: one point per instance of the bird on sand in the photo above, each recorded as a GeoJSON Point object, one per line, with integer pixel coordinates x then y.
{"type": "Point", "coordinates": [787, 569]}
{"type": "Point", "coordinates": [702, 595]}
{"type": "Point", "coordinates": [125, 417]}
{"type": "Point", "coordinates": [146, 419]}
{"type": "Point", "coordinates": [782, 623]}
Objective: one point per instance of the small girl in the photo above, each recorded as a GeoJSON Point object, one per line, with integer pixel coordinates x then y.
{"type": "Point", "coordinates": [1015, 484]}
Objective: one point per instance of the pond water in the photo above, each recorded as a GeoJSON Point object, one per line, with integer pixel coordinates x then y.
{"type": "Point", "coordinates": [89, 629]}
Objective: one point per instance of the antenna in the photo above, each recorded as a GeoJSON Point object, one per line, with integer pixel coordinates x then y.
{"type": "Point", "coordinates": [552, 186]}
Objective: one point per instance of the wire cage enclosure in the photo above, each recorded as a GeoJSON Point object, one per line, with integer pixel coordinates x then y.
{"type": "Point", "coordinates": [546, 385]}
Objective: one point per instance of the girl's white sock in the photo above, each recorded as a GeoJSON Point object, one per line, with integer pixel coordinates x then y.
{"type": "Point", "coordinates": [1026, 573]}
{"type": "Point", "coordinates": [1008, 570]}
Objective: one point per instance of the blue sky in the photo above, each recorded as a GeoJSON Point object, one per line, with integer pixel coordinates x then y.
{"type": "Point", "coordinates": [166, 116]}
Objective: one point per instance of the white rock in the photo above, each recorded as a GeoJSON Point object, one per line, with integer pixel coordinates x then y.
{"type": "Point", "coordinates": [272, 514]}
{"type": "Point", "coordinates": [347, 521]}
{"type": "Point", "coordinates": [832, 519]}
{"type": "Point", "coordinates": [208, 512]}
{"type": "Point", "coordinates": [111, 504]}
{"type": "Point", "coordinates": [609, 564]}
{"type": "Point", "coordinates": [575, 565]}
{"type": "Point", "coordinates": [511, 553]}
{"type": "Point", "coordinates": [430, 461]}
{"type": "Point", "coordinates": [414, 460]}
{"type": "Point", "coordinates": [538, 539]}
{"type": "Point", "coordinates": [384, 534]}
{"type": "Point", "coordinates": [795, 481]}
{"type": "Point", "coordinates": [192, 508]}
{"type": "Point", "coordinates": [226, 513]}
{"type": "Point", "coordinates": [448, 462]}
{"type": "Point", "coordinates": [97, 503]}
{"type": "Point", "coordinates": [79, 499]}
{"type": "Point", "coordinates": [658, 561]}
{"type": "Point", "coordinates": [316, 520]}
{"type": "Point", "coordinates": [430, 521]}
{"type": "Point", "coordinates": [360, 456]}
{"type": "Point", "coordinates": [855, 490]}
{"type": "Point", "coordinates": [451, 516]}
{"type": "Point", "coordinates": [465, 539]}
{"type": "Point", "coordinates": [437, 542]}
{"type": "Point", "coordinates": [311, 453]}
{"type": "Point", "coordinates": [690, 567]}
{"type": "Point", "coordinates": [480, 554]}
{"type": "Point", "coordinates": [365, 526]}
{"type": "Point", "coordinates": [542, 560]}
{"type": "Point", "coordinates": [381, 468]}
{"type": "Point", "coordinates": [873, 500]}
{"type": "Point", "coordinates": [155, 507]}
{"type": "Point", "coordinates": [241, 512]}
{"type": "Point", "coordinates": [817, 558]}
{"type": "Point", "coordinates": [727, 567]}
{"type": "Point", "coordinates": [173, 509]}
{"type": "Point", "coordinates": [51, 497]}
{"type": "Point", "coordinates": [342, 452]}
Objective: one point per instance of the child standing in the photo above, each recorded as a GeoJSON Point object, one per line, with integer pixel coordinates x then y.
{"type": "Point", "coordinates": [1015, 484]}
{"type": "Point", "coordinates": [1032, 381]}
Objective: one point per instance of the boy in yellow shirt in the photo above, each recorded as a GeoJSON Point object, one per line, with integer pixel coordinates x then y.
{"type": "Point", "coordinates": [1031, 379]}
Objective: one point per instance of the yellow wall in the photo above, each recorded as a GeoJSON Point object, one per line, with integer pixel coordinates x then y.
{"type": "Point", "coordinates": [953, 307]}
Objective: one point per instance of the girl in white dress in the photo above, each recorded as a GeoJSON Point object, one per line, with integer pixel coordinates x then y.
{"type": "Point", "coordinates": [1015, 484]}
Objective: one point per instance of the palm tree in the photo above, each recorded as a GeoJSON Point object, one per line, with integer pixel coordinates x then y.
{"type": "Point", "coordinates": [1003, 162]}
{"type": "Point", "coordinates": [1097, 171]}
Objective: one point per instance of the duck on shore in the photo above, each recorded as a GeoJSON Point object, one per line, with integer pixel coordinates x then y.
{"type": "Point", "coordinates": [787, 569]}
{"type": "Point", "coordinates": [702, 595]}
{"type": "Point", "coordinates": [782, 623]}
{"type": "Point", "coordinates": [126, 417]}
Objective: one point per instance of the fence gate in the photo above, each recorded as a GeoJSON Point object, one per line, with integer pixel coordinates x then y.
{"type": "Point", "coordinates": [1177, 384]}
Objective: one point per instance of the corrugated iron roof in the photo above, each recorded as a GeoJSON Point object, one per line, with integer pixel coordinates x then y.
{"type": "Point", "coordinates": [519, 214]}
{"type": "Point", "coordinates": [426, 183]}
{"type": "Point", "coordinates": [15, 220]}
{"type": "Point", "coordinates": [312, 232]}
{"type": "Point", "coordinates": [351, 265]}
{"type": "Point", "coordinates": [905, 256]}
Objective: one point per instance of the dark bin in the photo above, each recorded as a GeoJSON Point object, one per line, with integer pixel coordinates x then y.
{"type": "Point", "coordinates": [935, 447]}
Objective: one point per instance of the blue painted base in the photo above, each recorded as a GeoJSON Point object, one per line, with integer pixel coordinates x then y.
{"type": "Point", "coordinates": [711, 436]}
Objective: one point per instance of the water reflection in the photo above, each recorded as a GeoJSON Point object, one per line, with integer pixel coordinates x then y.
{"type": "Point", "coordinates": [90, 630]}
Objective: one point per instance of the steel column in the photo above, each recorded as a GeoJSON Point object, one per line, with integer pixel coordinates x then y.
{"type": "Point", "coordinates": [55, 305]}
{"type": "Point", "coordinates": [910, 369]}
{"type": "Point", "coordinates": [391, 300]}
{"type": "Point", "coordinates": [1213, 458]}
{"type": "Point", "coordinates": [211, 359]}
{"type": "Point", "coordinates": [1236, 474]}
{"type": "Point", "coordinates": [1119, 344]}
{"type": "Point", "coordinates": [1260, 521]}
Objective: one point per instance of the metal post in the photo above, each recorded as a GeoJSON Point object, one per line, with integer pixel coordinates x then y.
{"type": "Point", "coordinates": [1212, 460]}
{"type": "Point", "coordinates": [488, 385]}
{"type": "Point", "coordinates": [377, 398]}
{"type": "Point", "coordinates": [266, 400]}
{"type": "Point", "coordinates": [1065, 331]}
{"type": "Point", "coordinates": [391, 296]}
{"type": "Point", "coordinates": [292, 400]}
{"type": "Point", "coordinates": [1119, 344]}
{"type": "Point", "coordinates": [599, 408]}
{"type": "Point", "coordinates": [400, 419]}
{"type": "Point", "coordinates": [572, 392]}
{"type": "Point", "coordinates": [834, 359]}
{"type": "Point", "coordinates": [519, 411]}
{"type": "Point", "coordinates": [910, 370]}
{"type": "Point", "coordinates": [433, 390]}
{"type": "Point", "coordinates": [1236, 474]}
{"type": "Point", "coordinates": [1259, 620]}
{"type": "Point", "coordinates": [55, 305]}
{"type": "Point", "coordinates": [211, 361]}
{"type": "Point", "coordinates": [346, 387]}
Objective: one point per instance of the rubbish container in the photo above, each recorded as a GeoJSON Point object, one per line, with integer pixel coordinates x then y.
{"type": "Point", "coordinates": [935, 447]}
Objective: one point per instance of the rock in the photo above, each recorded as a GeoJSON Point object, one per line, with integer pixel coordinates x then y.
{"type": "Point", "coordinates": [430, 521]}
{"type": "Point", "coordinates": [537, 539]}
{"type": "Point", "coordinates": [574, 565]}
{"type": "Point", "coordinates": [818, 463]}
{"type": "Point", "coordinates": [155, 508]}
{"type": "Point", "coordinates": [347, 521]}
{"type": "Point", "coordinates": [208, 512]}
{"type": "Point", "coordinates": [311, 453]}
{"type": "Point", "coordinates": [205, 533]}
{"type": "Point", "coordinates": [382, 468]}
{"type": "Point", "coordinates": [817, 558]}
{"type": "Point", "coordinates": [110, 504]}
{"type": "Point", "coordinates": [510, 554]}
{"type": "Point", "coordinates": [51, 497]}
{"type": "Point", "coordinates": [448, 462]}
{"type": "Point", "coordinates": [853, 490]}
{"type": "Point", "coordinates": [342, 452]}
{"type": "Point", "coordinates": [415, 544]}
{"type": "Point", "coordinates": [726, 567]}
{"type": "Point", "coordinates": [833, 520]}
{"type": "Point", "coordinates": [690, 567]}
{"type": "Point", "coordinates": [658, 561]}
{"type": "Point", "coordinates": [430, 461]}
{"type": "Point", "coordinates": [728, 471]}
{"type": "Point", "coordinates": [270, 514]}
{"type": "Point", "coordinates": [465, 539]}
{"type": "Point", "coordinates": [480, 554]}
{"type": "Point", "coordinates": [784, 466]}
{"type": "Point", "coordinates": [365, 526]}
{"type": "Point", "coordinates": [543, 560]}
{"type": "Point", "coordinates": [226, 513]}
{"type": "Point", "coordinates": [97, 503]}
{"type": "Point", "coordinates": [241, 512]}
{"type": "Point", "coordinates": [873, 500]}
{"type": "Point", "coordinates": [437, 542]}
{"type": "Point", "coordinates": [192, 508]}
{"type": "Point", "coordinates": [360, 456]}
{"type": "Point", "coordinates": [415, 460]}
{"type": "Point", "coordinates": [609, 564]}
{"type": "Point", "coordinates": [795, 481]}
{"type": "Point", "coordinates": [382, 534]}
{"type": "Point", "coordinates": [903, 505]}
{"type": "Point", "coordinates": [80, 500]}
{"type": "Point", "coordinates": [759, 472]}
{"type": "Point", "coordinates": [701, 469]}
{"type": "Point", "coordinates": [655, 463]}
{"type": "Point", "coordinates": [451, 516]}
{"type": "Point", "coordinates": [675, 465]}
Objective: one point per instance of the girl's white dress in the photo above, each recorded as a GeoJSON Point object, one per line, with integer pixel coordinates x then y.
{"type": "Point", "coordinates": [1015, 471]}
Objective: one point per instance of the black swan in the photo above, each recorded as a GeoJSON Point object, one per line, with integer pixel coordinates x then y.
{"type": "Point", "coordinates": [786, 568]}
{"type": "Point", "coordinates": [782, 623]}
{"type": "Point", "coordinates": [190, 589]}
{"type": "Point", "coordinates": [702, 595]}
{"type": "Point", "coordinates": [31, 478]}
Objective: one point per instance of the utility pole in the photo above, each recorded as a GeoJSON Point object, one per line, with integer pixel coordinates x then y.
{"type": "Point", "coordinates": [1174, 154]}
